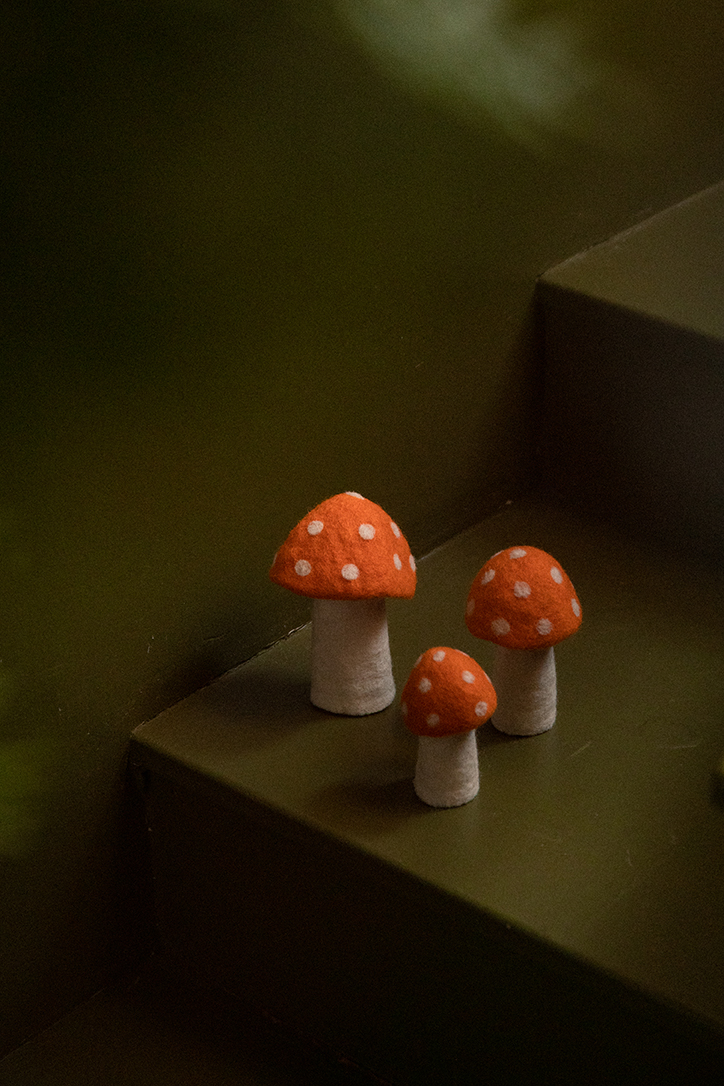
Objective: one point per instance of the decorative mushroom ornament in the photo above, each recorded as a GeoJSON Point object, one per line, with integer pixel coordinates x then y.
{"type": "Point", "coordinates": [348, 555]}
{"type": "Point", "coordinates": [524, 602]}
{"type": "Point", "coordinates": [446, 697]}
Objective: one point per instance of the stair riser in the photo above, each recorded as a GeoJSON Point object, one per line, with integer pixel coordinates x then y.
{"type": "Point", "coordinates": [634, 419]}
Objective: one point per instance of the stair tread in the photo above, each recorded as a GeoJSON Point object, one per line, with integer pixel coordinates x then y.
{"type": "Point", "coordinates": [149, 1031]}
{"type": "Point", "coordinates": [599, 838]}
{"type": "Point", "coordinates": [669, 267]}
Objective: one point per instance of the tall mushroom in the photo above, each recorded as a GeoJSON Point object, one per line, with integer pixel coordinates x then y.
{"type": "Point", "coordinates": [446, 697]}
{"type": "Point", "coordinates": [524, 602]}
{"type": "Point", "coordinates": [348, 555]}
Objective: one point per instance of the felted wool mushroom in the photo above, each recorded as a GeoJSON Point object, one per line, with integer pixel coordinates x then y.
{"type": "Point", "coordinates": [524, 602]}
{"type": "Point", "coordinates": [446, 697]}
{"type": "Point", "coordinates": [348, 556]}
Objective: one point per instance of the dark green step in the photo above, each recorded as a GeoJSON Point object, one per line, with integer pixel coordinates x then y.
{"type": "Point", "coordinates": [565, 926]}
{"type": "Point", "coordinates": [149, 1030]}
{"type": "Point", "coordinates": [633, 335]}
{"type": "Point", "coordinates": [634, 346]}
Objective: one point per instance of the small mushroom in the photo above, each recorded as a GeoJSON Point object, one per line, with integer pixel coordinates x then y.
{"type": "Point", "coordinates": [524, 602]}
{"type": "Point", "coordinates": [348, 555]}
{"type": "Point", "coordinates": [446, 697]}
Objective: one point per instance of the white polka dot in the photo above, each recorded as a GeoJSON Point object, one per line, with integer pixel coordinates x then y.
{"type": "Point", "coordinates": [468, 677]}
{"type": "Point", "coordinates": [432, 720]}
{"type": "Point", "coordinates": [395, 530]}
{"type": "Point", "coordinates": [366, 531]}
{"type": "Point", "coordinates": [303, 568]}
{"type": "Point", "coordinates": [353, 494]}
{"type": "Point", "coordinates": [438, 656]}
{"type": "Point", "coordinates": [424, 686]}
{"type": "Point", "coordinates": [413, 567]}
{"type": "Point", "coordinates": [481, 709]}
{"type": "Point", "coordinates": [544, 626]}
{"type": "Point", "coordinates": [350, 572]}
{"type": "Point", "coordinates": [487, 576]}
{"type": "Point", "coordinates": [397, 560]}
{"type": "Point", "coordinates": [470, 607]}
{"type": "Point", "coordinates": [517, 552]}
{"type": "Point", "coordinates": [576, 608]}
{"type": "Point", "coordinates": [521, 589]}
{"type": "Point", "coordinates": [556, 575]}
{"type": "Point", "coordinates": [500, 627]}
{"type": "Point", "coordinates": [417, 661]}
{"type": "Point", "coordinates": [315, 527]}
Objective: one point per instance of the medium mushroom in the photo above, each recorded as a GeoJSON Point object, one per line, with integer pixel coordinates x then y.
{"type": "Point", "coordinates": [524, 602]}
{"type": "Point", "coordinates": [348, 555]}
{"type": "Point", "coordinates": [446, 697]}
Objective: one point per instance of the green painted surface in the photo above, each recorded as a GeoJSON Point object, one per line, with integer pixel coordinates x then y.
{"type": "Point", "coordinates": [597, 843]}
{"type": "Point", "coordinates": [634, 345]}
{"type": "Point", "coordinates": [149, 1032]}
{"type": "Point", "coordinates": [256, 255]}
{"type": "Point", "coordinates": [669, 268]}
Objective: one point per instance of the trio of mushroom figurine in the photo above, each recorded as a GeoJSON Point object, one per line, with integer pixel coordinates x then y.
{"type": "Point", "coordinates": [348, 556]}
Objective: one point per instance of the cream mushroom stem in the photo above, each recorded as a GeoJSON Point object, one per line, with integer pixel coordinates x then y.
{"type": "Point", "coordinates": [447, 773]}
{"type": "Point", "coordinates": [351, 664]}
{"type": "Point", "coordinates": [525, 682]}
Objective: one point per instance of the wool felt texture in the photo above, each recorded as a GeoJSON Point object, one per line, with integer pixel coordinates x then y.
{"type": "Point", "coordinates": [522, 599]}
{"type": "Point", "coordinates": [346, 548]}
{"type": "Point", "coordinates": [447, 693]}
{"type": "Point", "coordinates": [447, 773]}
{"type": "Point", "coordinates": [351, 665]}
{"type": "Point", "coordinates": [526, 686]}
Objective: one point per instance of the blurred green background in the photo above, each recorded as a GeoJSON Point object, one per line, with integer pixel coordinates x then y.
{"type": "Point", "coordinates": [254, 254]}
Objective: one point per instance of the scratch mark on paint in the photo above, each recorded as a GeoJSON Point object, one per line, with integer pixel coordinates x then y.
{"type": "Point", "coordinates": [681, 746]}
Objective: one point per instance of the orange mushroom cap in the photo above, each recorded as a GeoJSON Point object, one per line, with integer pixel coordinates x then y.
{"type": "Point", "coordinates": [522, 599]}
{"type": "Point", "coordinates": [446, 693]}
{"type": "Point", "coordinates": [346, 548]}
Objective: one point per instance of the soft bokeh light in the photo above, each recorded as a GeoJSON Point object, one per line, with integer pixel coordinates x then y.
{"type": "Point", "coordinates": [530, 68]}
